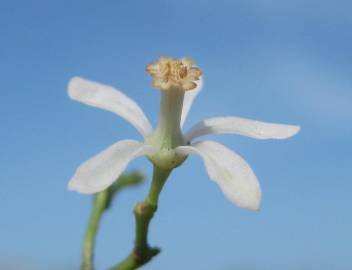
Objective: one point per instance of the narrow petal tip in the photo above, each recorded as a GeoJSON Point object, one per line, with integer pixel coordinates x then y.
{"type": "Point", "coordinates": [249, 199]}
{"type": "Point", "coordinates": [83, 90]}
{"type": "Point", "coordinates": [293, 131]}
{"type": "Point", "coordinates": [74, 185]}
{"type": "Point", "coordinates": [286, 131]}
{"type": "Point", "coordinates": [252, 204]}
{"type": "Point", "coordinates": [73, 86]}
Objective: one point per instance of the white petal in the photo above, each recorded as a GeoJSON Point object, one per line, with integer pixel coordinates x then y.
{"type": "Point", "coordinates": [234, 176]}
{"type": "Point", "coordinates": [188, 99]}
{"type": "Point", "coordinates": [108, 98]}
{"type": "Point", "coordinates": [241, 126]}
{"type": "Point", "coordinates": [102, 170]}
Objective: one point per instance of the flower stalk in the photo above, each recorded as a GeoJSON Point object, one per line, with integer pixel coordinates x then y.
{"type": "Point", "coordinates": [144, 211]}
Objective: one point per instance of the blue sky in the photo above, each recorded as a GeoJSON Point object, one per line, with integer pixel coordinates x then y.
{"type": "Point", "coordinates": [278, 61]}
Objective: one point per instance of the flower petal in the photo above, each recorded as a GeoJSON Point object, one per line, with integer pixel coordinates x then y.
{"type": "Point", "coordinates": [110, 99]}
{"type": "Point", "coordinates": [188, 99]}
{"type": "Point", "coordinates": [241, 126]}
{"type": "Point", "coordinates": [234, 176]}
{"type": "Point", "coordinates": [102, 170]}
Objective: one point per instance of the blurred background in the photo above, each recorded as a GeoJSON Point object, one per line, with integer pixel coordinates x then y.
{"type": "Point", "coordinates": [277, 61]}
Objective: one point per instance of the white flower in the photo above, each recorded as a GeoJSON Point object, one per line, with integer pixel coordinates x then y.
{"type": "Point", "coordinates": [166, 146]}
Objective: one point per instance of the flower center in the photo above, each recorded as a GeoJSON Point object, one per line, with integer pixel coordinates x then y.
{"type": "Point", "coordinates": [174, 77]}
{"type": "Point", "coordinates": [168, 135]}
{"type": "Point", "coordinates": [168, 72]}
{"type": "Point", "coordinates": [177, 71]}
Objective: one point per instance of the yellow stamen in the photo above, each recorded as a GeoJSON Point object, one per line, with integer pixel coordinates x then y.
{"type": "Point", "coordinates": [168, 72]}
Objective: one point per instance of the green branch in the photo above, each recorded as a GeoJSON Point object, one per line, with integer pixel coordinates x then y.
{"type": "Point", "coordinates": [144, 211]}
{"type": "Point", "coordinates": [101, 203]}
{"type": "Point", "coordinates": [98, 209]}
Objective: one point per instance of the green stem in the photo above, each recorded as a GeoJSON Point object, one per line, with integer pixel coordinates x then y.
{"type": "Point", "coordinates": [144, 212]}
{"type": "Point", "coordinates": [102, 202]}
{"type": "Point", "coordinates": [98, 209]}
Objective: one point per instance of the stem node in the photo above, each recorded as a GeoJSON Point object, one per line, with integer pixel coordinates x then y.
{"type": "Point", "coordinates": [144, 211]}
